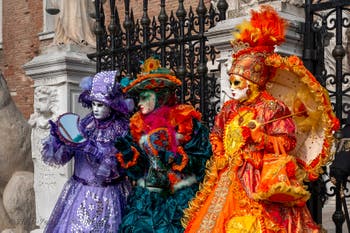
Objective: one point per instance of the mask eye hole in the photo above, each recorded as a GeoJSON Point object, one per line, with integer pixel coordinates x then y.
{"type": "Point", "coordinates": [97, 104]}
{"type": "Point", "coordinates": [236, 82]}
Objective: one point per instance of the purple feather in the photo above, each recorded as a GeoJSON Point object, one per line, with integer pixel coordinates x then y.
{"type": "Point", "coordinates": [86, 83]}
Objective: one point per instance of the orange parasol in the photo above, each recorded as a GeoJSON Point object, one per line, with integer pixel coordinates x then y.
{"type": "Point", "coordinates": [311, 109]}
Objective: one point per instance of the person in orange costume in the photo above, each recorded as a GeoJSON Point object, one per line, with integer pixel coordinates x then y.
{"type": "Point", "coordinates": [253, 182]}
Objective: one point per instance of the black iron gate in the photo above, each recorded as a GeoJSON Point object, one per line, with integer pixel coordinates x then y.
{"type": "Point", "coordinates": [177, 39]}
{"type": "Point", "coordinates": [325, 39]}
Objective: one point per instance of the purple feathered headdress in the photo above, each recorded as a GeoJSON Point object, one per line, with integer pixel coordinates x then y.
{"type": "Point", "coordinates": [104, 88]}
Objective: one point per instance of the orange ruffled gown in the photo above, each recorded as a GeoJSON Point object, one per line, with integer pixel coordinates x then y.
{"type": "Point", "coordinates": [225, 202]}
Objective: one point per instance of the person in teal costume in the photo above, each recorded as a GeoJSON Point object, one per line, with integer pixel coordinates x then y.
{"type": "Point", "coordinates": [165, 155]}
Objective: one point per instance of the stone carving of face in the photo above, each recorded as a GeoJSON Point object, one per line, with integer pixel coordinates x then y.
{"type": "Point", "coordinates": [100, 110]}
{"type": "Point", "coordinates": [147, 102]}
{"type": "Point", "coordinates": [42, 103]}
{"type": "Point", "coordinates": [45, 99]}
{"type": "Point", "coordinates": [239, 87]}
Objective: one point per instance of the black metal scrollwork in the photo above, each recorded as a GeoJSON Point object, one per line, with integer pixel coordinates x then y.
{"type": "Point", "coordinates": [177, 39]}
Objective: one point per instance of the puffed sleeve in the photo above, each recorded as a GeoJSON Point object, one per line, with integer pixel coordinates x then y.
{"type": "Point", "coordinates": [195, 141]}
{"type": "Point", "coordinates": [280, 128]}
{"type": "Point", "coordinates": [55, 152]}
{"type": "Point", "coordinates": [198, 149]}
{"type": "Point", "coordinates": [131, 157]}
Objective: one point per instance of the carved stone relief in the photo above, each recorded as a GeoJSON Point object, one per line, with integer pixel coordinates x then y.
{"type": "Point", "coordinates": [45, 99]}
{"type": "Point", "coordinates": [45, 178]}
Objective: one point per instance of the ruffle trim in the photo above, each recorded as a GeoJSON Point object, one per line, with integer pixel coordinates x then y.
{"type": "Point", "coordinates": [213, 166]}
{"type": "Point", "coordinates": [131, 163]}
{"type": "Point", "coordinates": [180, 117]}
{"type": "Point", "coordinates": [284, 193]}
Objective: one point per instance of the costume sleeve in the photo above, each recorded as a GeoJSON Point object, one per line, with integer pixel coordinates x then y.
{"type": "Point", "coordinates": [55, 152]}
{"type": "Point", "coordinates": [280, 133]}
{"type": "Point", "coordinates": [181, 118]}
{"type": "Point", "coordinates": [198, 150]}
{"type": "Point", "coordinates": [130, 156]}
{"type": "Point", "coordinates": [194, 147]}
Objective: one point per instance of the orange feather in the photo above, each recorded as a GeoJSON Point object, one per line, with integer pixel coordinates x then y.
{"type": "Point", "coordinates": [265, 28]}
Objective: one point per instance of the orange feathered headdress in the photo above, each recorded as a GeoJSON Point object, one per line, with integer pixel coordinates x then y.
{"type": "Point", "coordinates": [254, 41]}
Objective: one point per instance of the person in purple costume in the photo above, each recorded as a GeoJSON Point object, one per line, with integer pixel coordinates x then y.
{"type": "Point", "coordinates": [94, 198]}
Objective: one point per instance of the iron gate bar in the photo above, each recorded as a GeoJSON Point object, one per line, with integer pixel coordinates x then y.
{"type": "Point", "coordinates": [202, 68]}
{"type": "Point", "coordinates": [309, 53]}
{"type": "Point", "coordinates": [339, 53]}
{"type": "Point", "coordinates": [181, 69]}
{"type": "Point", "coordinates": [145, 22]}
{"type": "Point", "coordinates": [113, 30]}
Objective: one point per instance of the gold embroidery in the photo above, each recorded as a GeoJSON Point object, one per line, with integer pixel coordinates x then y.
{"type": "Point", "coordinates": [217, 203]}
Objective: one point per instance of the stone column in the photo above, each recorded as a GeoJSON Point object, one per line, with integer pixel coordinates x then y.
{"type": "Point", "coordinates": [221, 35]}
{"type": "Point", "coordinates": [56, 74]}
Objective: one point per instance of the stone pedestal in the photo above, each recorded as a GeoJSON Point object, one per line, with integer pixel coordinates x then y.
{"type": "Point", "coordinates": [221, 35]}
{"type": "Point", "coordinates": [238, 8]}
{"type": "Point", "coordinates": [56, 74]}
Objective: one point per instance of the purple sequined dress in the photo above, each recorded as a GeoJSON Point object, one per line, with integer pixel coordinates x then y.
{"type": "Point", "coordinates": [94, 198]}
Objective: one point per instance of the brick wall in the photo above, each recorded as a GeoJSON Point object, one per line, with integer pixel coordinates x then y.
{"type": "Point", "coordinates": [23, 20]}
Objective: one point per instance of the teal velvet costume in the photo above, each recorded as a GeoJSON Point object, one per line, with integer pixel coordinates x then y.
{"type": "Point", "coordinates": [165, 178]}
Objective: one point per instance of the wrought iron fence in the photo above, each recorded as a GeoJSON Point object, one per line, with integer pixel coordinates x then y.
{"type": "Point", "coordinates": [324, 55]}
{"type": "Point", "coordinates": [177, 39]}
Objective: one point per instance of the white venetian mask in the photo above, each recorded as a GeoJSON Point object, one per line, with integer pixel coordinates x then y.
{"type": "Point", "coordinates": [100, 110]}
{"type": "Point", "coordinates": [239, 87]}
